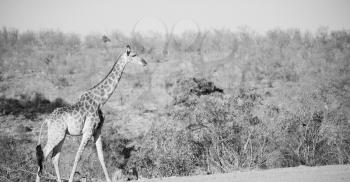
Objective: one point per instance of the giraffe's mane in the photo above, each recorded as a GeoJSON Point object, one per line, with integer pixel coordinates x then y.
{"type": "Point", "coordinates": [110, 71]}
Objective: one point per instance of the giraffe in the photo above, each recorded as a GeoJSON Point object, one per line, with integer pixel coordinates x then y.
{"type": "Point", "coordinates": [83, 118]}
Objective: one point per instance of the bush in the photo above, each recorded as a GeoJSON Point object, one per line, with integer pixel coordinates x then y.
{"type": "Point", "coordinates": [166, 151]}
{"type": "Point", "coordinates": [8, 37]}
{"type": "Point", "coordinates": [93, 41]}
{"type": "Point", "coordinates": [28, 38]}
{"type": "Point", "coordinates": [210, 131]}
{"type": "Point", "coordinates": [29, 105]}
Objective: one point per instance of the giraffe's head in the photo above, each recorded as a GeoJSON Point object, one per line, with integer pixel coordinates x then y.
{"type": "Point", "coordinates": [131, 56]}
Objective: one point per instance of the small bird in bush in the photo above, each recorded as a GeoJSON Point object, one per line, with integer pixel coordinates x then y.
{"type": "Point", "coordinates": [105, 39]}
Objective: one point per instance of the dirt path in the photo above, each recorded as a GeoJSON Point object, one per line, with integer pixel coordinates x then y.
{"type": "Point", "coordinates": [333, 173]}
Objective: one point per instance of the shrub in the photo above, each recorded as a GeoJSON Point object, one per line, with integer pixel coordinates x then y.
{"type": "Point", "coordinates": [51, 39]}
{"type": "Point", "coordinates": [28, 38]}
{"type": "Point", "coordinates": [210, 131]}
{"type": "Point", "coordinates": [93, 41]}
{"type": "Point", "coordinates": [8, 37]}
{"type": "Point", "coordinates": [205, 130]}
{"type": "Point", "coordinates": [166, 151]}
{"type": "Point", "coordinates": [29, 105]}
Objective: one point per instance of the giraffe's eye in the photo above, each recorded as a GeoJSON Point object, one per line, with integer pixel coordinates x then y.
{"type": "Point", "coordinates": [133, 55]}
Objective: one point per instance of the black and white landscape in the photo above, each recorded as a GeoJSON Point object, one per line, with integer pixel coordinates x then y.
{"type": "Point", "coordinates": [228, 91]}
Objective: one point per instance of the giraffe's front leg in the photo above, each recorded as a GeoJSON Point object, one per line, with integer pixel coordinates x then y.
{"type": "Point", "coordinates": [86, 137]}
{"type": "Point", "coordinates": [98, 143]}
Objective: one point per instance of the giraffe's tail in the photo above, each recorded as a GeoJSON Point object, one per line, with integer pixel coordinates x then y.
{"type": "Point", "coordinates": [40, 158]}
{"type": "Point", "coordinates": [39, 152]}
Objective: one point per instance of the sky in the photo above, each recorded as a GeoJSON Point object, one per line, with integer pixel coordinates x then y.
{"type": "Point", "coordinates": [127, 16]}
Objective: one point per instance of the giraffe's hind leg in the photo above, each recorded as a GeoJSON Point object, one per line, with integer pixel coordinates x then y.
{"type": "Point", "coordinates": [56, 157]}
{"type": "Point", "coordinates": [55, 135]}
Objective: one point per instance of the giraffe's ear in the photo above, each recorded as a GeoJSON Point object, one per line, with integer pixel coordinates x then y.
{"type": "Point", "coordinates": [128, 50]}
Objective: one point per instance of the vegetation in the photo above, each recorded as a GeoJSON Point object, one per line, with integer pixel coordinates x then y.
{"type": "Point", "coordinates": [216, 101]}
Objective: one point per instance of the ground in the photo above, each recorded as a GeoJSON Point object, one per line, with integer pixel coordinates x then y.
{"type": "Point", "coordinates": [331, 173]}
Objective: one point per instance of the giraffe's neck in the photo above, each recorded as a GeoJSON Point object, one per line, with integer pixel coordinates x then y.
{"type": "Point", "coordinates": [103, 90]}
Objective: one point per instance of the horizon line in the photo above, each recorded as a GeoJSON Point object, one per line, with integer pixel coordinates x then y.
{"type": "Point", "coordinates": [238, 29]}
